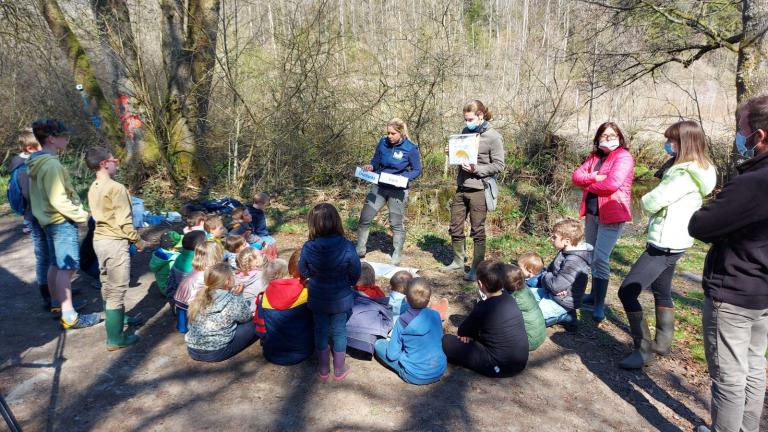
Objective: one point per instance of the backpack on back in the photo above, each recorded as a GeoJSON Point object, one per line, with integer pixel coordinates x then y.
{"type": "Point", "coordinates": [15, 197]}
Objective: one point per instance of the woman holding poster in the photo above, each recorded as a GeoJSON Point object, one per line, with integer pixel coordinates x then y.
{"type": "Point", "coordinates": [471, 182]}
{"type": "Point", "coordinates": [397, 161]}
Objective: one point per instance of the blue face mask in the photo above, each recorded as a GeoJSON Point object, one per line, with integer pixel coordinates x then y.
{"type": "Point", "coordinates": [471, 125]}
{"type": "Point", "coordinates": [741, 145]}
{"type": "Point", "coordinates": [669, 149]}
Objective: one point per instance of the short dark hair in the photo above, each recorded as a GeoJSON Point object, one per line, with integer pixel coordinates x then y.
{"type": "Point", "coordinates": [195, 218]}
{"type": "Point", "coordinates": [192, 239]}
{"type": "Point", "coordinates": [418, 292]}
{"type": "Point", "coordinates": [399, 281]}
{"type": "Point", "coordinates": [492, 274]}
{"type": "Point", "coordinates": [514, 280]}
{"type": "Point", "coordinates": [602, 128]}
{"type": "Point", "coordinates": [95, 156]}
{"type": "Point", "coordinates": [233, 243]}
{"type": "Point", "coordinates": [757, 112]}
{"type": "Point", "coordinates": [43, 128]}
{"type": "Point", "coordinates": [324, 220]}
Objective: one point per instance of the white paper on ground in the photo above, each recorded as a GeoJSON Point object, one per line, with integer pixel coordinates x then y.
{"type": "Point", "coordinates": [393, 179]}
{"type": "Point", "coordinates": [369, 176]}
{"type": "Point", "coordinates": [388, 270]}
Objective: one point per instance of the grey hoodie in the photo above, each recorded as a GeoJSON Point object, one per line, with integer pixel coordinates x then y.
{"type": "Point", "coordinates": [568, 272]}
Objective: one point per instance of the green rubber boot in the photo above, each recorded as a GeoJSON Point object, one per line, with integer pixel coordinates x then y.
{"type": "Point", "coordinates": [116, 337]}
{"type": "Point", "coordinates": [478, 255]}
{"type": "Point", "coordinates": [665, 330]}
{"type": "Point", "coordinates": [641, 337]}
{"type": "Point", "coordinates": [458, 257]}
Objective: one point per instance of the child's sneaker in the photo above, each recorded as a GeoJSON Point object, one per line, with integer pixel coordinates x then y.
{"type": "Point", "coordinates": [82, 321]}
{"type": "Point", "coordinates": [55, 308]}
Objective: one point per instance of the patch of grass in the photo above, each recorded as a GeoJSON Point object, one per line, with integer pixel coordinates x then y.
{"type": "Point", "coordinates": [688, 324]}
{"type": "Point", "coordinates": [510, 246]}
{"type": "Point", "coordinates": [291, 228]}
{"type": "Point", "coordinates": [3, 187]}
{"type": "Point", "coordinates": [693, 260]}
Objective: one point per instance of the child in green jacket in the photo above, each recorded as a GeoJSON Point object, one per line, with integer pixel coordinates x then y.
{"type": "Point", "coordinates": [535, 328]}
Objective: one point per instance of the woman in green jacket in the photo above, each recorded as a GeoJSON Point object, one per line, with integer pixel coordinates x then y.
{"type": "Point", "coordinates": [671, 204]}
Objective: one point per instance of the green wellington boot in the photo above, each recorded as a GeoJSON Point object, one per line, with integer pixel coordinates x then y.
{"type": "Point", "coordinates": [641, 336]}
{"type": "Point", "coordinates": [665, 330]}
{"type": "Point", "coordinates": [478, 255]}
{"type": "Point", "coordinates": [116, 337]}
{"type": "Point", "coordinates": [458, 257]}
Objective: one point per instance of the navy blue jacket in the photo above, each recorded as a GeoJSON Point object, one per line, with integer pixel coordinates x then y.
{"type": "Point", "coordinates": [332, 266]}
{"type": "Point", "coordinates": [287, 329]}
{"type": "Point", "coordinates": [402, 159]}
{"type": "Point", "coordinates": [259, 222]}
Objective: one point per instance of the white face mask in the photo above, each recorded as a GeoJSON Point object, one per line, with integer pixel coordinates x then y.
{"type": "Point", "coordinates": [610, 145]}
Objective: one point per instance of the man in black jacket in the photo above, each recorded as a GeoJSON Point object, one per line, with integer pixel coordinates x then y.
{"type": "Point", "coordinates": [735, 281]}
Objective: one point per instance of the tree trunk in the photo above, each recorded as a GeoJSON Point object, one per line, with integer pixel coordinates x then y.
{"type": "Point", "coordinates": [82, 71]}
{"type": "Point", "coordinates": [752, 63]}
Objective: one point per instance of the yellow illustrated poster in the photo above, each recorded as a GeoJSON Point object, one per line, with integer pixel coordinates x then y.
{"type": "Point", "coordinates": [463, 149]}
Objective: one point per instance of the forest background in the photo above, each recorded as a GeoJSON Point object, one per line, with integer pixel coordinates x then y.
{"type": "Point", "coordinates": [204, 98]}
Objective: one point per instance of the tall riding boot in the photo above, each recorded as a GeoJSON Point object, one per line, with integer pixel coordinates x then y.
{"type": "Point", "coordinates": [362, 240]}
{"type": "Point", "coordinates": [665, 330]}
{"type": "Point", "coordinates": [599, 291]}
{"type": "Point", "coordinates": [478, 256]}
{"type": "Point", "coordinates": [398, 240]}
{"type": "Point", "coordinates": [116, 337]}
{"type": "Point", "coordinates": [458, 257]}
{"type": "Point", "coordinates": [641, 336]}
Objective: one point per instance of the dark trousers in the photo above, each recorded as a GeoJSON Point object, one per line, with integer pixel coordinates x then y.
{"type": "Point", "coordinates": [472, 203]}
{"type": "Point", "coordinates": [245, 335]}
{"type": "Point", "coordinates": [655, 269]}
{"type": "Point", "coordinates": [474, 356]}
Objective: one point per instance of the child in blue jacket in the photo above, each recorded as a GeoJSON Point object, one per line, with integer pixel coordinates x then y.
{"type": "Point", "coordinates": [330, 263]}
{"type": "Point", "coordinates": [415, 350]}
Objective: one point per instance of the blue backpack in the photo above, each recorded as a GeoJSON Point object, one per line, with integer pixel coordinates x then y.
{"type": "Point", "coordinates": [15, 197]}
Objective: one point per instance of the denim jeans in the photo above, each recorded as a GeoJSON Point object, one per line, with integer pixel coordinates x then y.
{"type": "Point", "coordinates": [245, 335]}
{"type": "Point", "coordinates": [552, 311]}
{"type": "Point", "coordinates": [336, 326]}
{"type": "Point", "coordinates": [42, 255]}
{"type": "Point", "coordinates": [63, 245]}
{"type": "Point", "coordinates": [603, 238]}
{"type": "Point", "coordinates": [654, 268]}
{"type": "Point", "coordinates": [395, 199]}
{"type": "Point", "coordinates": [735, 340]}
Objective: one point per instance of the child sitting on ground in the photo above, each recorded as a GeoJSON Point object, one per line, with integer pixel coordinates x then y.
{"type": "Point", "coordinates": [397, 284]}
{"type": "Point", "coordinates": [241, 225]}
{"type": "Point", "coordinates": [259, 219]}
{"type": "Point", "coordinates": [283, 318]}
{"type": "Point", "coordinates": [366, 285]}
{"type": "Point", "coordinates": [250, 263]}
{"type": "Point", "coordinates": [414, 351]}
{"type": "Point", "coordinates": [195, 221]}
{"type": "Point", "coordinates": [220, 322]}
{"type": "Point", "coordinates": [233, 244]}
{"type": "Point", "coordinates": [562, 284]}
{"type": "Point", "coordinates": [162, 261]}
{"type": "Point", "coordinates": [214, 228]}
{"type": "Point", "coordinates": [532, 316]}
{"type": "Point", "coordinates": [182, 266]}
{"type": "Point", "coordinates": [532, 266]}
{"type": "Point", "coordinates": [207, 255]}
{"type": "Point", "coordinates": [492, 339]}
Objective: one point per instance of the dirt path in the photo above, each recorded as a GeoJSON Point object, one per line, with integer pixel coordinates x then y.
{"type": "Point", "coordinates": [55, 380]}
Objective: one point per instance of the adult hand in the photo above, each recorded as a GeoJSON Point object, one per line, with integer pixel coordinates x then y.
{"type": "Point", "coordinates": [600, 177]}
{"type": "Point", "coordinates": [368, 167]}
{"type": "Point", "coordinates": [468, 167]}
{"type": "Point", "coordinates": [140, 245]}
{"type": "Point", "coordinates": [465, 339]}
{"type": "Point", "coordinates": [237, 289]}
{"type": "Point", "coordinates": [562, 294]}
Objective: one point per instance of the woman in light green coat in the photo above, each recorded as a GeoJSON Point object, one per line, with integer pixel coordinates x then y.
{"type": "Point", "coordinates": [670, 205]}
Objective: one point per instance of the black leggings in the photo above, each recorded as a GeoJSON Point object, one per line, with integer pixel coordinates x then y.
{"type": "Point", "coordinates": [474, 356]}
{"type": "Point", "coordinates": [654, 268]}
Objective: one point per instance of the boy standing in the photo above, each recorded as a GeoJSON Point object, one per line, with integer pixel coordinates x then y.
{"type": "Point", "coordinates": [57, 209]}
{"type": "Point", "coordinates": [562, 284]}
{"type": "Point", "coordinates": [111, 208]}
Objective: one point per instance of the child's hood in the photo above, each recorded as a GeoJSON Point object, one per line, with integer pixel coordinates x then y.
{"type": "Point", "coordinates": [38, 162]}
{"type": "Point", "coordinates": [184, 260]}
{"type": "Point", "coordinates": [283, 293]}
{"type": "Point", "coordinates": [705, 178]}
{"type": "Point", "coordinates": [221, 299]}
{"type": "Point", "coordinates": [582, 250]}
{"type": "Point", "coordinates": [372, 291]}
{"type": "Point", "coordinates": [421, 324]}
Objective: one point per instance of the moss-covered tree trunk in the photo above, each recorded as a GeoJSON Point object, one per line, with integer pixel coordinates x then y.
{"type": "Point", "coordinates": [82, 71]}
{"type": "Point", "coordinates": [752, 63]}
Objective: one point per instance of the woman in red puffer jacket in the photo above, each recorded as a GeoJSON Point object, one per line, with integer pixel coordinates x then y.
{"type": "Point", "coordinates": [606, 179]}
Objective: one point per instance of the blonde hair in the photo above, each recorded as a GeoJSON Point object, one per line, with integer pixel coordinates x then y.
{"type": "Point", "coordinates": [249, 257]}
{"type": "Point", "coordinates": [531, 261]}
{"type": "Point", "coordinates": [275, 269]}
{"type": "Point", "coordinates": [207, 254]}
{"type": "Point", "coordinates": [399, 126]}
{"type": "Point", "coordinates": [233, 243]}
{"type": "Point", "coordinates": [27, 139]}
{"type": "Point", "coordinates": [219, 276]}
{"type": "Point", "coordinates": [293, 264]}
{"type": "Point", "coordinates": [418, 292]}
{"type": "Point", "coordinates": [692, 143]}
{"type": "Point", "coordinates": [367, 275]}
{"type": "Point", "coordinates": [211, 222]}
{"type": "Point", "coordinates": [569, 229]}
